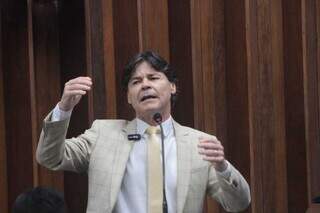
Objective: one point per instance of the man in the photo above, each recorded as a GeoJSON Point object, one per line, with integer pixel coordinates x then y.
{"type": "Point", "coordinates": [118, 168]}
{"type": "Point", "coordinates": [39, 200]}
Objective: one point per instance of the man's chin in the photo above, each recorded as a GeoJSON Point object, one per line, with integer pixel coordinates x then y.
{"type": "Point", "coordinates": [150, 111]}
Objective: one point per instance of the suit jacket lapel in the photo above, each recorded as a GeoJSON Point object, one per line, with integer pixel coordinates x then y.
{"type": "Point", "coordinates": [122, 155]}
{"type": "Point", "coordinates": [184, 158]}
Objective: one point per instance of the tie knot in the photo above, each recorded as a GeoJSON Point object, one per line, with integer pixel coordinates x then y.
{"type": "Point", "coordinates": [152, 130]}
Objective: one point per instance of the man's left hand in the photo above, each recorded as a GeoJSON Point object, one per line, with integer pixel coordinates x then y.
{"type": "Point", "coordinates": [213, 151]}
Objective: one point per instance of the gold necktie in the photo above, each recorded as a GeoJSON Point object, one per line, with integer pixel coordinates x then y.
{"type": "Point", "coordinates": [155, 176]}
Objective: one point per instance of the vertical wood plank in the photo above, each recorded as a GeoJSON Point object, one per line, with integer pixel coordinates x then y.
{"type": "Point", "coordinates": [73, 63]}
{"type": "Point", "coordinates": [208, 51]}
{"type": "Point", "coordinates": [95, 58]}
{"type": "Point", "coordinates": [311, 93]}
{"type": "Point", "coordinates": [278, 105]}
{"type": "Point", "coordinates": [46, 77]}
{"type": "Point", "coordinates": [294, 111]}
{"type": "Point", "coordinates": [153, 26]}
{"type": "Point", "coordinates": [17, 97]}
{"type": "Point", "coordinates": [3, 150]}
{"type": "Point", "coordinates": [181, 59]}
{"type": "Point", "coordinates": [196, 64]}
{"type": "Point", "coordinates": [126, 45]}
{"type": "Point", "coordinates": [219, 127]}
{"type": "Point", "coordinates": [238, 141]}
{"type": "Point", "coordinates": [265, 106]}
{"type": "Point", "coordinates": [109, 58]}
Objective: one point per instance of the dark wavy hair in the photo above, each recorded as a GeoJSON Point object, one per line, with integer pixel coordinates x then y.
{"type": "Point", "coordinates": [156, 62]}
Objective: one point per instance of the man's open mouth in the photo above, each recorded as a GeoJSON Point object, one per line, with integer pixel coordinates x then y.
{"type": "Point", "coordinates": [147, 97]}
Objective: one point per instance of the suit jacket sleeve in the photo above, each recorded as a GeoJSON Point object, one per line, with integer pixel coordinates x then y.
{"type": "Point", "coordinates": [233, 193]}
{"type": "Point", "coordinates": [56, 152]}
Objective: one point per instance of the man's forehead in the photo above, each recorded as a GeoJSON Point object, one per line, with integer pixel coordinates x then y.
{"type": "Point", "coordinates": [142, 71]}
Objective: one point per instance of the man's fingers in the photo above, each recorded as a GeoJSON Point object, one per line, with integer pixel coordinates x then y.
{"type": "Point", "coordinates": [77, 87]}
{"type": "Point", "coordinates": [210, 145]}
{"type": "Point", "coordinates": [80, 80]}
{"type": "Point", "coordinates": [75, 92]}
{"type": "Point", "coordinates": [210, 152]}
{"type": "Point", "coordinates": [214, 159]}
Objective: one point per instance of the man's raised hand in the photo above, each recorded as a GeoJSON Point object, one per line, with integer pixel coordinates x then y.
{"type": "Point", "coordinates": [73, 91]}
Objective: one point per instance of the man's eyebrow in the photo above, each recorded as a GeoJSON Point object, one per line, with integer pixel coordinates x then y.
{"type": "Point", "coordinates": [134, 78]}
{"type": "Point", "coordinates": [152, 74]}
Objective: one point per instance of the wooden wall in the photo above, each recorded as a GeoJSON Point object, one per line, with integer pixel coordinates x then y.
{"type": "Point", "coordinates": [248, 72]}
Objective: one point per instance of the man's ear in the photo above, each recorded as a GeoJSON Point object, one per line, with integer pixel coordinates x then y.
{"type": "Point", "coordinates": [129, 98]}
{"type": "Point", "coordinates": [173, 88]}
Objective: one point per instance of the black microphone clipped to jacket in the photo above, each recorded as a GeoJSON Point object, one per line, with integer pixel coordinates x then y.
{"type": "Point", "coordinates": [158, 119]}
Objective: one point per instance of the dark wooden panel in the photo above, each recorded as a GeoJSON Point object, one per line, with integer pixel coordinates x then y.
{"type": "Point", "coordinates": [219, 71]}
{"type": "Point", "coordinates": [73, 64]}
{"type": "Point", "coordinates": [95, 58]}
{"type": "Point", "coordinates": [17, 97]}
{"type": "Point", "coordinates": [153, 26]}
{"type": "Point", "coordinates": [312, 92]}
{"type": "Point", "coordinates": [238, 142]}
{"type": "Point", "coordinates": [295, 117]}
{"type": "Point", "coordinates": [3, 151]}
{"type": "Point", "coordinates": [46, 77]}
{"type": "Point", "coordinates": [266, 119]}
{"type": "Point", "coordinates": [181, 59]}
{"type": "Point", "coordinates": [126, 45]}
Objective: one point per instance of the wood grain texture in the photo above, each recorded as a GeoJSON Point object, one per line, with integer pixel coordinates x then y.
{"type": "Point", "coordinates": [126, 45]}
{"type": "Point", "coordinates": [45, 78]}
{"type": "Point", "coordinates": [266, 121]}
{"type": "Point", "coordinates": [95, 58]}
{"type": "Point", "coordinates": [73, 63]}
{"type": "Point", "coordinates": [109, 58]}
{"type": "Point", "coordinates": [3, 148]}
{"type": "Point", "coordinates": [311, 93]}
{"type": "Point", "coordinates": [294, 107]}
{"type": "Point", "coordinates": [17, 98]}
{"type": "Point", "coordinates": [238, 142]}
{"type": "Point", "coordinates": [181, 59]}
{"type": "Point", "coordinates": [248, 72]}
{"type": "Point", "coordinates": [153, 26]}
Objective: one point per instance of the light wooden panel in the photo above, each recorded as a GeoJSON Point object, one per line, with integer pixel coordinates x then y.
{"type": "Point", "coordinates": [109, 58]}
{"type": "Point", "coordinates": [153, 26]}
{"type": "Point", "coordinates": [266, 107]}
{"type": "Point", "coordinates": [208, 68]}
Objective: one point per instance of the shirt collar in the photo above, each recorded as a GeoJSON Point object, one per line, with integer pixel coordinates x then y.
{"type": "Point", "coordinates": [167, 126]}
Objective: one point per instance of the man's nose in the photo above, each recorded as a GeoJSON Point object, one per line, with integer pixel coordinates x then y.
{"type": "Point", "coordinates": [145, 83]}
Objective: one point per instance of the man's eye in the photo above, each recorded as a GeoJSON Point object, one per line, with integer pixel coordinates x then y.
{"type": "Point", "coordinates": [135, 82]}
{"type": "Point", "coordinates": [155, 78]}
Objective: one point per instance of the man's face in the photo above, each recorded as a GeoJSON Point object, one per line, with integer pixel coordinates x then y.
{"type": "Point", "coordinates": [149, 91]}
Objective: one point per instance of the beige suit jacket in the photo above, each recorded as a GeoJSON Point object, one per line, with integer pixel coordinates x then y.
{"type": "Point", "coordinates": [103, 151]}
